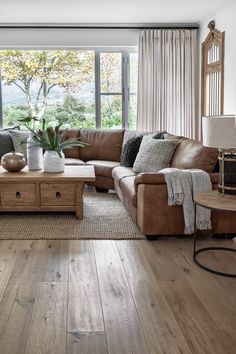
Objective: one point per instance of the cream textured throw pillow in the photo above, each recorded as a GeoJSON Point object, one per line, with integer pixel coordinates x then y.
{"type": "Point", "coordinates": [19, 139]}
{"type": "Point", "coordinates": [154, 155]}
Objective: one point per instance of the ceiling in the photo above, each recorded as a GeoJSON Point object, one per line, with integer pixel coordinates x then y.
{"type": "Point", "coordinates": [108, 11]}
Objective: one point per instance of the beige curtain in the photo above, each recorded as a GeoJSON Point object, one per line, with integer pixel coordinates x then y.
{"type": "Point", "coordinates": [167, 81]}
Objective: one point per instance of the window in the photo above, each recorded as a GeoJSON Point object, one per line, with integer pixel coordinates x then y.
{"type": "Point", "coordinates": [78, 88]}
{"type": "Point", "coordinates": [133, 90]}
{"type": "Point", "coordinates": [111, 89]}
{"type": "Point", "coordinates": [213, 72]}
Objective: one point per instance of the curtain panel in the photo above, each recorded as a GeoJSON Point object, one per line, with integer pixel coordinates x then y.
{"type": "Point", "coordinates": [167, 81]}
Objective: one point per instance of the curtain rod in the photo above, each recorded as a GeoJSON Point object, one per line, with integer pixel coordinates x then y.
{"type": "Point", "coordinates": [93, 27]}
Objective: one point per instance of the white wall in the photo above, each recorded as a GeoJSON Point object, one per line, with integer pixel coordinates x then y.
{"type": "Point", "coordinates": [226, 21]}
{"type": "Point", "coordinates": [69, 38]}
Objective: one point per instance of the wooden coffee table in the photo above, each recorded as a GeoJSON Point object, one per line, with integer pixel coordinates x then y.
{"type": "Point", "coordinates": [39, 191]}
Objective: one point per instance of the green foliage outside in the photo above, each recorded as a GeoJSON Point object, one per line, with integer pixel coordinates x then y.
{"type": "Point", "coordinates": [36, 73]}
{"type": "Point", "coordinates": [71, 114]}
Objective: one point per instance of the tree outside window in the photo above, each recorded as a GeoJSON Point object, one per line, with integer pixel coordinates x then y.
{"type": "Point", "coordinates": [60, 85]}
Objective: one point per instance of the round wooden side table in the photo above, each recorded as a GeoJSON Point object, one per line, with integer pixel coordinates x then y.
{"type": "Point", "coordinates": [214, 201]}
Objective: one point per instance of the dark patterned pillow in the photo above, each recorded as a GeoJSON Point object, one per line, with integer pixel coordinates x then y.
{"type": "Point", "coordinates": [159, 135]}
{"type": "Point", "coordinates": [130, 151]}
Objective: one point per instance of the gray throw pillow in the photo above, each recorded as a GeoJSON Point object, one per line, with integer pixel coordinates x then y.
{"type": "Point", "coordinates": [154, 154]}
{"type": "Point", "coordinates": [19, 139]}
{"type": "Point", "coordinates": [6, 143]}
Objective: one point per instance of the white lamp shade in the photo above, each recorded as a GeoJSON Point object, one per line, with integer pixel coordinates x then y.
{"type": "Point", "coordinates": [219, 131]}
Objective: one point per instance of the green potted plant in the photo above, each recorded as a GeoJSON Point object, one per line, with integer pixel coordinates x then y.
{"type": "Point", "coordinates": [53, 141]}
{"type": "Point", "coordinates": [34, 153]}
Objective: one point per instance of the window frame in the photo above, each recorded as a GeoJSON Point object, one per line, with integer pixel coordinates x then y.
{"type": "Point", "coordinates": [125, 79]}
{"type": "Point", "coordinates": [125, 83]}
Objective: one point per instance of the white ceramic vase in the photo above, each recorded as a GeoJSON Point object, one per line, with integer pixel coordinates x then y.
{"type": "Point", "coordinates": [34, 155]}
{"type": "Point", "coordinates": [52, 162]}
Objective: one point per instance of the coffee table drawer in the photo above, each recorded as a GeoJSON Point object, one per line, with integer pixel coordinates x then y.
{"type": "Point", "coordinates": [57, 194]}
{"type": "Point", "coordinates": [18, 194]}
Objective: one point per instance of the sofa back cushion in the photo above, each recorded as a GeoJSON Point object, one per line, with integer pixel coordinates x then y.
{"type": "Point", "coordinates": [128, 134]}
{"type": "Point", "coordinates": [6, 143]}
{"type": "Point", "coordinates": [104, 144]}
{"type": "Point", "coordinates": [192, 154]}
{"type": "Point", "coordinates": [72, 153]}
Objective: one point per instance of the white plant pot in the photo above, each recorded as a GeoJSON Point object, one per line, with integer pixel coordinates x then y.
{"type": "Point", "coordinates": [52, 162]}
{"type": "Point", "coordinates": [34, 155]}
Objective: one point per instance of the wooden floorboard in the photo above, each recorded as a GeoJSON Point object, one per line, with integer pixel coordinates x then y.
{"type": "Point", "coordinates": [84, 303]}
{"type": "Point", "coordinates": [55, 260]}
{"type": "Point", "coordinates": [7, 262]}
{"type": "Point", "coordinates": [17, 304]}
{"type": "Point", "coordinates": [115, 297]}
{"type": "Point", "coordinates": [159, 324]}
{"type": "Point", "coordinates": [209, 288]}
{"type": "Point", "coordinates": [86, 343]}
{"type": "Point", "coordinates": [201, 332]}
{"type": "Point", "coordinates": [124, 331]}
{"type": "Point", "coordinates": [47, 332]}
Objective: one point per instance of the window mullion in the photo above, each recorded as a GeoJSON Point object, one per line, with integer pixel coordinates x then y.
{"type": "Point", "coordinates": [97, 89]}
{"type": "Point", "coordinates": [125, 89]}
{"type": "Point", "coordinates": [1, 109]}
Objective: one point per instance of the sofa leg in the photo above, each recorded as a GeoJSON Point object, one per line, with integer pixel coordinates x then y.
{"type": "Point", "coordinates": [101, 190]}
{"type": "Point", "coordinates": [224, 236]}
{"type": "Point", "coordinates": [151, 237]}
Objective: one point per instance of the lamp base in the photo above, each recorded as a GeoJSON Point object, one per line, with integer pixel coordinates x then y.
{"type": "Point", "coordinates": [227, 173]}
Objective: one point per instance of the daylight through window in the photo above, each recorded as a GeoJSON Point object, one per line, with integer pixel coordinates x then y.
{"type": "Point", "coordinates": [78, 88]}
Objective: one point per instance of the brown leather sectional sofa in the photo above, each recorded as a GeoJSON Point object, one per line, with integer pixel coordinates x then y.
{"type": "Point", "coordinates": [145, 195]}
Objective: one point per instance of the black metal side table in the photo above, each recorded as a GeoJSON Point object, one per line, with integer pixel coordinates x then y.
{"type": "Point", "coordinates": [214, 201]}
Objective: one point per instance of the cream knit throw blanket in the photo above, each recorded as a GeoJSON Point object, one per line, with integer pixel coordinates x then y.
{"type": "Point", "coordinates": [181, 186]}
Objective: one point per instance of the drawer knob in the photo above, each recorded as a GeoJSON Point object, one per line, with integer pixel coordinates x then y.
{"type": "Point", "coordinates": [18, 195]}
{"type": "Point", "coordinates": [58, 194]}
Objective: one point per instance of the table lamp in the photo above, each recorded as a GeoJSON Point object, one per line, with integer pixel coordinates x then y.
{"type": "Point", "coordinates": [220, 132]}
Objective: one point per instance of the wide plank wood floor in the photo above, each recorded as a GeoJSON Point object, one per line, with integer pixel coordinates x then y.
{"type": "Point", "coordinates": [115, 297]}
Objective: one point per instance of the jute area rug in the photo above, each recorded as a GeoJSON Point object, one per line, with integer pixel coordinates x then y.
{"type": "Point", "coordinates": [105, 217]}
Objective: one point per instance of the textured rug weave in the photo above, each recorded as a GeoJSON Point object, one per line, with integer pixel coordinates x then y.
{"type": "Point", "coordinates": [105, 217]}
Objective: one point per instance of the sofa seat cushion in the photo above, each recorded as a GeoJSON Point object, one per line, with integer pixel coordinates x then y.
{"type": "Point", "coordinates": [103, 144]}
{"type": "Point", "coordinates": [75, 162]}
{"type": "Point", "coordinates": [102, 182]}
{"type": "Point", "coordinates": [121, 172]}
{"type": "Point", "coordinates": [102, 167]}
{"type": "Point", "coordinates": [127, 187]}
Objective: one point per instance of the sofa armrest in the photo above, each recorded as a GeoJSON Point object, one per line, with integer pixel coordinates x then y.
{"type": "Point", "coordinates": [159, 178]}
{"type": "Point", "coordinates": [214, 178]}
{"type": "Point", "coordinates": [149, 178]}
